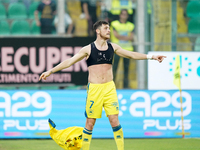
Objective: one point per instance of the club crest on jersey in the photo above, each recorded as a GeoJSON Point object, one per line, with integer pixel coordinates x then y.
{"type": "Point", "coordinates": [91, 111]}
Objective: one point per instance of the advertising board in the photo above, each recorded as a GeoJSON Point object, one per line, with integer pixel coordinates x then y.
{"type": "Point", "coordinates": [161, 75]}
{"type": "Point", "coordinates": [143, 113]}
{"type": "Point", "coordinates": [22, 60]}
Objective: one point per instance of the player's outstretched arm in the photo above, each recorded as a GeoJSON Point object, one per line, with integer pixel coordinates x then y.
{"type": "Point", "coordinates": [135, 55]}
{"type": "Point", "coordinates": [67, 63]}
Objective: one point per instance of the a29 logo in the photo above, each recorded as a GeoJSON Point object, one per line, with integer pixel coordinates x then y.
{"type": "Point", "coordinates": [40, 109]}
{"type": "Point", "coordinates": [156, 109]}
{"type": "Point", "coordinates": [37, 105]}
{"type": "Point", "coordinates": [167, 106]}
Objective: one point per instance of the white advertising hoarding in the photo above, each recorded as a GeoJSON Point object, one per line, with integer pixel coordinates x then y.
{"type": "Point", "coordinates": [160, 75]}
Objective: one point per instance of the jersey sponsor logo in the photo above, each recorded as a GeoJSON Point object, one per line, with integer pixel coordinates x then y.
{"type": "Point", "coordinates": [117, 108]}
{"type": "Point", "coordinates": [115, 104]}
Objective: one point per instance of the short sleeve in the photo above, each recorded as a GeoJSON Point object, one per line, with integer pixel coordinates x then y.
{"type": "Point", "coordinates": [39, 8]}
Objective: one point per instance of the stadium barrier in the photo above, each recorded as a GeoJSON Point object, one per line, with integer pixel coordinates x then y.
{"type": "Point", "coordinates": [143, 113]}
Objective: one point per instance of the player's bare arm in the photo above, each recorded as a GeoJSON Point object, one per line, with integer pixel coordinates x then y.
{"type": "Point", "coordinates": [67, 63]}
{"type": "Point", "coordinates": [135, 55]}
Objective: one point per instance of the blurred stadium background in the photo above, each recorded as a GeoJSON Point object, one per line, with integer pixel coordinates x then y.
{"type": "Point", "coordinates": [149, 108]}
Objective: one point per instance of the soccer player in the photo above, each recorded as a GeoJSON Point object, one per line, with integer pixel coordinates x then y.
{"type": "Point", "coordinates": [101, 91]}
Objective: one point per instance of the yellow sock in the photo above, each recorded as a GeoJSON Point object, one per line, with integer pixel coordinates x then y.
{"type": "Point", "coordinates": [87, 136]}
{"type": "Point", "coordinates": [119, 138]}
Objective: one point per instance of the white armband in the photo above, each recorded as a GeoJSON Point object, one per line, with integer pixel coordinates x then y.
{"type": "Point", "coordinates": [150, 57]}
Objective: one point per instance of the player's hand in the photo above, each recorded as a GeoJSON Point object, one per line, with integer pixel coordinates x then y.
{"type": "Point", "coordinates": [87, 16]}
{"type": "Point", "coordinates": [159, 58]}
{"type": "Point", "coordinates": [44, 75]}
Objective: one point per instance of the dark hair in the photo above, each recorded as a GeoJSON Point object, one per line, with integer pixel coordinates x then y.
{"type": "Point", "coordinates": [123, 10]}
{"type": "Point", "coordinates": [99, 23]}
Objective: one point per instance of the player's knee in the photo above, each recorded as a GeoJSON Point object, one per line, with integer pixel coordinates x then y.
{"type": "Point", "coordinates": [90, 124]}
{"type": "Point", "coordinates": [114, 122]}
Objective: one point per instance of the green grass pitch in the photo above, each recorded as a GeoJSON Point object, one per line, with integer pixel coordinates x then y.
{"type": "Point", "coordinates": [106, 144]}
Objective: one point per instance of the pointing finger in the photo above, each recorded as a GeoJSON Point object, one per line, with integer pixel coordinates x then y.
{"type": "Point", "coordinates": [41, 77]}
